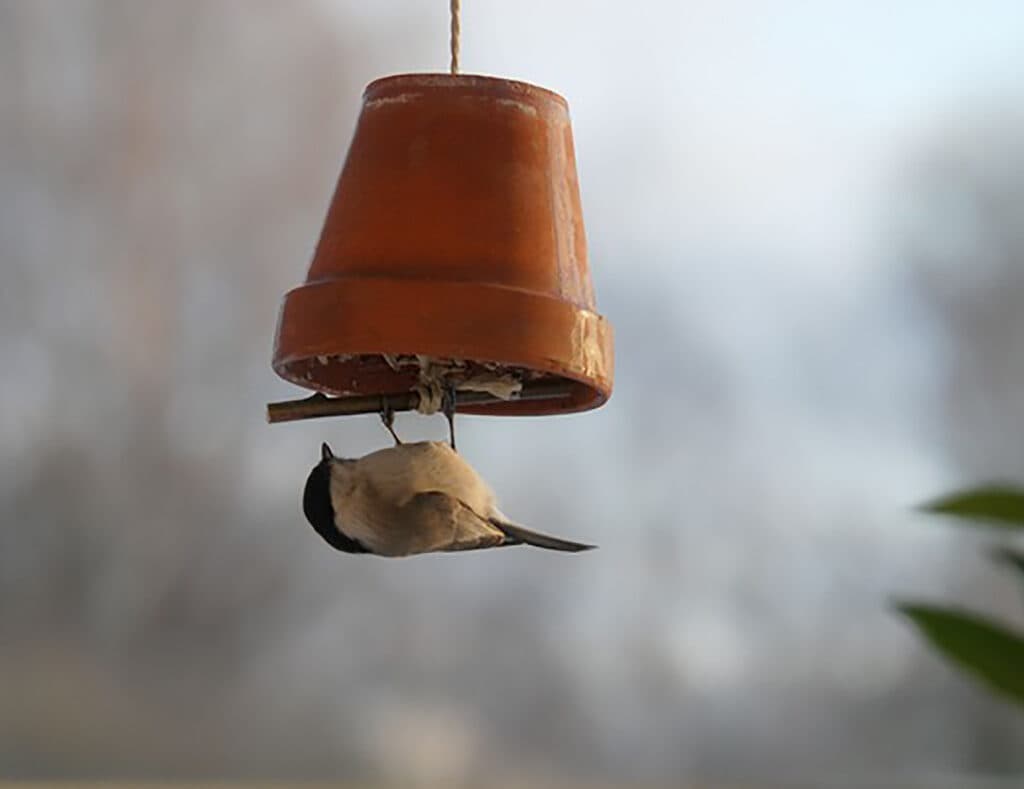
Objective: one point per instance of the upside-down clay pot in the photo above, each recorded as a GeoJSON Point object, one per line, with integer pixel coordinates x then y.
{"type": "Point", "coordinates": [455, 232]}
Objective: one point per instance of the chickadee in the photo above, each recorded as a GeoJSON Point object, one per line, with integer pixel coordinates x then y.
{"type": "Point", "coordinates": [410, 499]}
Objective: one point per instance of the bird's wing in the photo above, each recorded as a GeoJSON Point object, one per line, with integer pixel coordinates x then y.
{"type": "Point", "coordinates": [452, 525]}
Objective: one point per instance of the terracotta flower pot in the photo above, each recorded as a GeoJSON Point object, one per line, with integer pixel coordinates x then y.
{"type": "Point", "coordinates": [455, 232]}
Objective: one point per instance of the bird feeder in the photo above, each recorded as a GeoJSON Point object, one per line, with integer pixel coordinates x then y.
{"type": "Point", "coordinates": [453, 250]}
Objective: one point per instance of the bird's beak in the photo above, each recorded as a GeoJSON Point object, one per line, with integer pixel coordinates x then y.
{"type": "Point", "coordinates": [325, 452]}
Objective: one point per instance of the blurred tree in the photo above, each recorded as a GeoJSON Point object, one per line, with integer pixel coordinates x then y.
{"type": "Point", "coordinates": [964, 226]}
{"type": "Point", "coordinates": [146, 150]}
{"type": "Point", "coordinates": [962, 223]}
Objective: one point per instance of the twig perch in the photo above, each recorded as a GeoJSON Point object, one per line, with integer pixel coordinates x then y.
{"type": "Point", "coordinates": [319, 405]}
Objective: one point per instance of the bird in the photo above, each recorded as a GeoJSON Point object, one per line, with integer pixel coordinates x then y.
{"type": "Point", "coordinates": [409, 499]}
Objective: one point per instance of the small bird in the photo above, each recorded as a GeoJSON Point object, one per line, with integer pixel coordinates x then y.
{"type": "Point", "coordinates": [410, 499]}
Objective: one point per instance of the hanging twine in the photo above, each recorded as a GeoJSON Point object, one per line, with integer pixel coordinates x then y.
{"type": "Point", "coordinates": [431, 397]}
{"type": "Point", "coordinates": [456, 32]}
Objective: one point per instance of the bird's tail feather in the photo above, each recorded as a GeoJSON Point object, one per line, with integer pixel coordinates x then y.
{"type": "Point", "coordinates": [518, 534]}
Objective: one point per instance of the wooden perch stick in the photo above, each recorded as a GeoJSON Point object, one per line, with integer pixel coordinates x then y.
{"type": "Point", "coordinates": [319, 405]}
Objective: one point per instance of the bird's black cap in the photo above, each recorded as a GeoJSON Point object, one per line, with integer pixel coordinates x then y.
{"type": "Point", "coordinates": [317, 505]}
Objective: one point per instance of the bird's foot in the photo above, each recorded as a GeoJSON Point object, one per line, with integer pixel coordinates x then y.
{"type": "Point", "coordinates": [387, 416]}
{"type": "Point", "coordinates": [449, 402]}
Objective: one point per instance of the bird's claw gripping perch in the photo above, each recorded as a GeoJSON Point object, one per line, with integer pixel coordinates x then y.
{"type": "Point", "coordinates": [387, 416]}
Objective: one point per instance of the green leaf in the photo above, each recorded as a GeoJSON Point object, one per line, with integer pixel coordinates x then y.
{"type": "Point", "coordinates": [985, 649]}
{"type": "Point", "coordinates": [1006, 555]}
{"type": "Point", "coordinates": [999, 505]}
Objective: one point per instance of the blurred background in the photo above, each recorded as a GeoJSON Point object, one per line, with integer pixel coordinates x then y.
{"type": "Point", "coordinates": [806, 222]}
